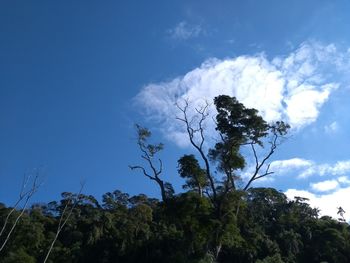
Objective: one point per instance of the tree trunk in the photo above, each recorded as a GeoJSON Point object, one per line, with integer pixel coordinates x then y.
{"type": "Point", "coordinates": [162, 189]}
{"type": "Point", "coordinates": [217, 251]}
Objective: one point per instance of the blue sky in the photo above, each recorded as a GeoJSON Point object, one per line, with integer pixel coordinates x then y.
{"type": "Point", "coordinates": [76, 76]}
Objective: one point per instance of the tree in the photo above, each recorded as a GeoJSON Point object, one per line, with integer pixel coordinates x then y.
{"type": "Point", "coordinates": [189, 168]}
{"type": "Point", "coordinates": [148, 152]}
{"type": "Point", "coordinates": [237, 127]}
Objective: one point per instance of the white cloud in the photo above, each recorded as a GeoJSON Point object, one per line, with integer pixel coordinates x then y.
{"type": "Point", "coordinates": [325, 186]}
{"type": "Point", "coordinates": [278, 167]}
{"type": "Point", "coordinates": [339, 168]}
{"type": "Point", "coordinates": [332, 128]}
{"type": "Point", "coordinates": [290, 164]}
{"type": "Point", "coordinates": [184, 31]}
{"type": "Point", "coordinates": [306, 168]}
{"type": "Point", "coordinates": [304, 104]}
{"type": "Point", "coordinates": [327, 203]}
{"type": "Point", "coordinates": [343, 180]}
{"type": "Point", "coordinates": [292, 87]}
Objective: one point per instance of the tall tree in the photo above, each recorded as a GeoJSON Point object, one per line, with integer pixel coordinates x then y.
{"type": "Point", "coordinates": [237, 127]}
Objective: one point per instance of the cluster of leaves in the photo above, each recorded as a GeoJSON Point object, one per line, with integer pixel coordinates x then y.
{"type": "Point", "coordinates": [269, 228]}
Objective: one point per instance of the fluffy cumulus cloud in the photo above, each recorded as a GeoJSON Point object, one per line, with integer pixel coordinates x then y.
{"type": "Point", "coordinates": [290, 164]}
{"type": "Point", "coordinates": [292, 87]}
{"type": "Point", "coordinates": [327, 203]}
{"type": "Point", "coordinates": [329, 185]}
{"type": "Point", "coordinates": [325, 186]}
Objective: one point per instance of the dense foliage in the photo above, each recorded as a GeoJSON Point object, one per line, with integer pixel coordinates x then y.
{"type": "Point", "coordinates": [216, 220]}
{"type": "Point", "coordinates": [269, 228]}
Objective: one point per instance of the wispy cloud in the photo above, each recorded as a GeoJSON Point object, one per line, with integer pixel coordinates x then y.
{"type": "Point", "coordinates": [332, 128]}
{"type": "Point", "coordinates": [339, 168]}
{"type": "Point", "coordinates": [306, 168]}
{"type": "Point", "coordinates": [184, 31]}
{"type": "Point", "coordinates": [292, 87]}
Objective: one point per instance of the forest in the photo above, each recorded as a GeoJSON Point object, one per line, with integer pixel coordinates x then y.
{"type": "Point", "coordinates": [218, 217]}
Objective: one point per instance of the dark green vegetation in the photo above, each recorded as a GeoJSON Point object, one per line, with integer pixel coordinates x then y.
{"type": "Point", "coordinates": [268, 228]}
{"type": "Point", "coordinates": [217, 219]}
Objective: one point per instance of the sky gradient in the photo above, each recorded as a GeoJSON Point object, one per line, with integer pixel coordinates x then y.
{"type": "Point", "coordinates": [76, 77]}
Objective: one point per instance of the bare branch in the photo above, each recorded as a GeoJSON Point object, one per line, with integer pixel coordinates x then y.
{"type": "Point", "coordinates": [160, 167]}
{"type": "Point", "coordinates": [143, 170]}
{"type": "Point", "coordinates": [64, 218]}
{"type": "Point", "coordinates": [202, 114]}
{"type": "Point", "coordinates": [24, 195]}
{"type": "Point", "coordinates": [258, 165]}
{"type": "Point", "coordinates": [263, 175]}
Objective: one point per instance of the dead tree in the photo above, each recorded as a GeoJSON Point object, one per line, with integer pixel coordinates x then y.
{"type": "Point", "coordinates": [66, 213]}
{"type": "Point", "coordinates": [29, 187]}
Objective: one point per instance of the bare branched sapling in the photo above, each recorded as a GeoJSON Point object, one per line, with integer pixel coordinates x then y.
{"type": "Point", "coordinates": [29, 187]}
{"type": "Point", "coordinates": [66, 213]}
